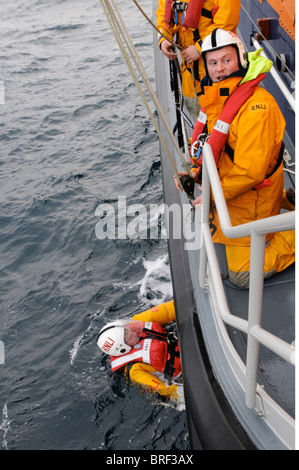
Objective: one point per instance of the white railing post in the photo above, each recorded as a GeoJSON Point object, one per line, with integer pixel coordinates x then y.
{"type": "Point", "coordinates": [257, 258]}
{"type": "Point", "coordinates": [203, 260]}
{"type": "Point", "coordinates": [257, 230]}
{"type": "Point", "coordinates": [283, 88]}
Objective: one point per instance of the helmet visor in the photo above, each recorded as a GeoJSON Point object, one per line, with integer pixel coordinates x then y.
{"type": "Point", "coordinates": [132, 332]}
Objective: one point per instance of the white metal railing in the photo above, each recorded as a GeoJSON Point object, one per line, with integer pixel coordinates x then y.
{"type": "Point", "coordinates": [283, 88]}
{"type": "Point", "coordinates": [257, 231]}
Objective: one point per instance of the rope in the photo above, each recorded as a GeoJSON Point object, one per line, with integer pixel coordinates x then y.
{"type": "Point", "coordinates": [122, 37]}
{"type": "Point", "coordinates": [154, 26]}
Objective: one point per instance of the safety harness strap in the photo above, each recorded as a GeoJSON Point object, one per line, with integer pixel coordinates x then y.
{"type": "Point", "coordinates": [231, 153]}
{"type": "Point", "coordinates": [172, 341]}
{"type": "Point", "coordinates": [155, 335]}
{"type": "Point", "coordinates": [194, 10]}
{"type": "Point", "coordinates": [169, 370]}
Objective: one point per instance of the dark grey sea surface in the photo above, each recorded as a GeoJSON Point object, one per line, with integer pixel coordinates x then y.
{"type": "Point", "coordinates": [74, 136]}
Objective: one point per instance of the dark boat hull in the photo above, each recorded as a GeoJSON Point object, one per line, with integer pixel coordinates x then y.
{"type": "Point", "coordinates": [214, 423]}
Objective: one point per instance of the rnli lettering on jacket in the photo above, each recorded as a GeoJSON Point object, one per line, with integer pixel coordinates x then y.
{"type": "Point", "coordinates": [150, 351]}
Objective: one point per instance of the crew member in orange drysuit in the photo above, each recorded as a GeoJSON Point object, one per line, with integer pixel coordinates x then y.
{"type": "Point", "coordinates": [143, 350]}
{"type": "Point", "coordinates": [189, 28]}
{"type": "Point", "coordinates": [246, 129]}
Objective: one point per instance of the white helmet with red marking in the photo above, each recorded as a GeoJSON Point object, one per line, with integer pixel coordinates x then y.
{"type": "Point", "coordinates": [221, 38]}
{"type": "Point", "coordinates": [118, 337]}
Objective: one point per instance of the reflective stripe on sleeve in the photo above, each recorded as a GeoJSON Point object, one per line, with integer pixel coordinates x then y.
{"type": "Point", "coordinates": [202, 117]}
{"type": "Point", "coordinates": [222, 127]}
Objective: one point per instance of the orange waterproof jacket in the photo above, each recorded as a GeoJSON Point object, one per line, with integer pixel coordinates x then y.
{"type": "Point", "coordinates": [255, 135]}
{"type": "Point", "coordinates": [226, 17]}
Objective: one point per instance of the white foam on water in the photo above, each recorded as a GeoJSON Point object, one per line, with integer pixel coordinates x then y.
{"type": "Point", "coordinates": [5, 426]}
{"type": "Point", "coordinates": [156, 282]}
{"type": "Point", "coordinates": [75, 349]}
{"type": "Point", "coordinates": [78, 343]}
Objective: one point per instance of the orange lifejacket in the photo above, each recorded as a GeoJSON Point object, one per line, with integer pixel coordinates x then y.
{"type": "Point", "coordinates": [154, 349]}
{"type": "Point", "coordinates": [193, 13]}
{"type": "Point", "coordinates": [218, 137]}
{"type": "Point", "coordinates": [168, 12]}
{"type": "Point", "coordinates": [219, 133]}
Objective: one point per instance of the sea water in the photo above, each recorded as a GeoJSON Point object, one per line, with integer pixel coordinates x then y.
{"type": "Point", "coordinates": [75, 136]}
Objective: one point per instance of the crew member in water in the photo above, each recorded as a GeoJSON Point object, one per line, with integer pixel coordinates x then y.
{"type": "Point", "coordinates": [246, 129]}
{"type": "Point", "coordinates": [146, 353]}
{"type": "Point", "coordinates": [190, 22]}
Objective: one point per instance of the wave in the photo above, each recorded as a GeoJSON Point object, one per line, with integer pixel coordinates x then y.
{"type": "Point", "coordinates": [156, 286]}
{"type": "Point", "coordinates": [5, 426]}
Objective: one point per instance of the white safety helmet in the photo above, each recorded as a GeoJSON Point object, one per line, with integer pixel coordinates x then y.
{"type": "Point", "coordinates": [221, 38]}
{"type": "Point", "coordinates": [111, 339]}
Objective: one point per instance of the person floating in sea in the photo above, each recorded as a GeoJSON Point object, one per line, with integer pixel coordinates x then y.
{"type": "Point", "coordinates": [144, 351]}
{"type": "Point", "coordinates": [246, 129]}
{"type": "Point", "coordinates": [192, 21]}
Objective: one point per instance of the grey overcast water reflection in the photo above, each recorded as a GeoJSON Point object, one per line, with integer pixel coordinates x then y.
{"type": "Point", "coordinates": [74, 135]}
